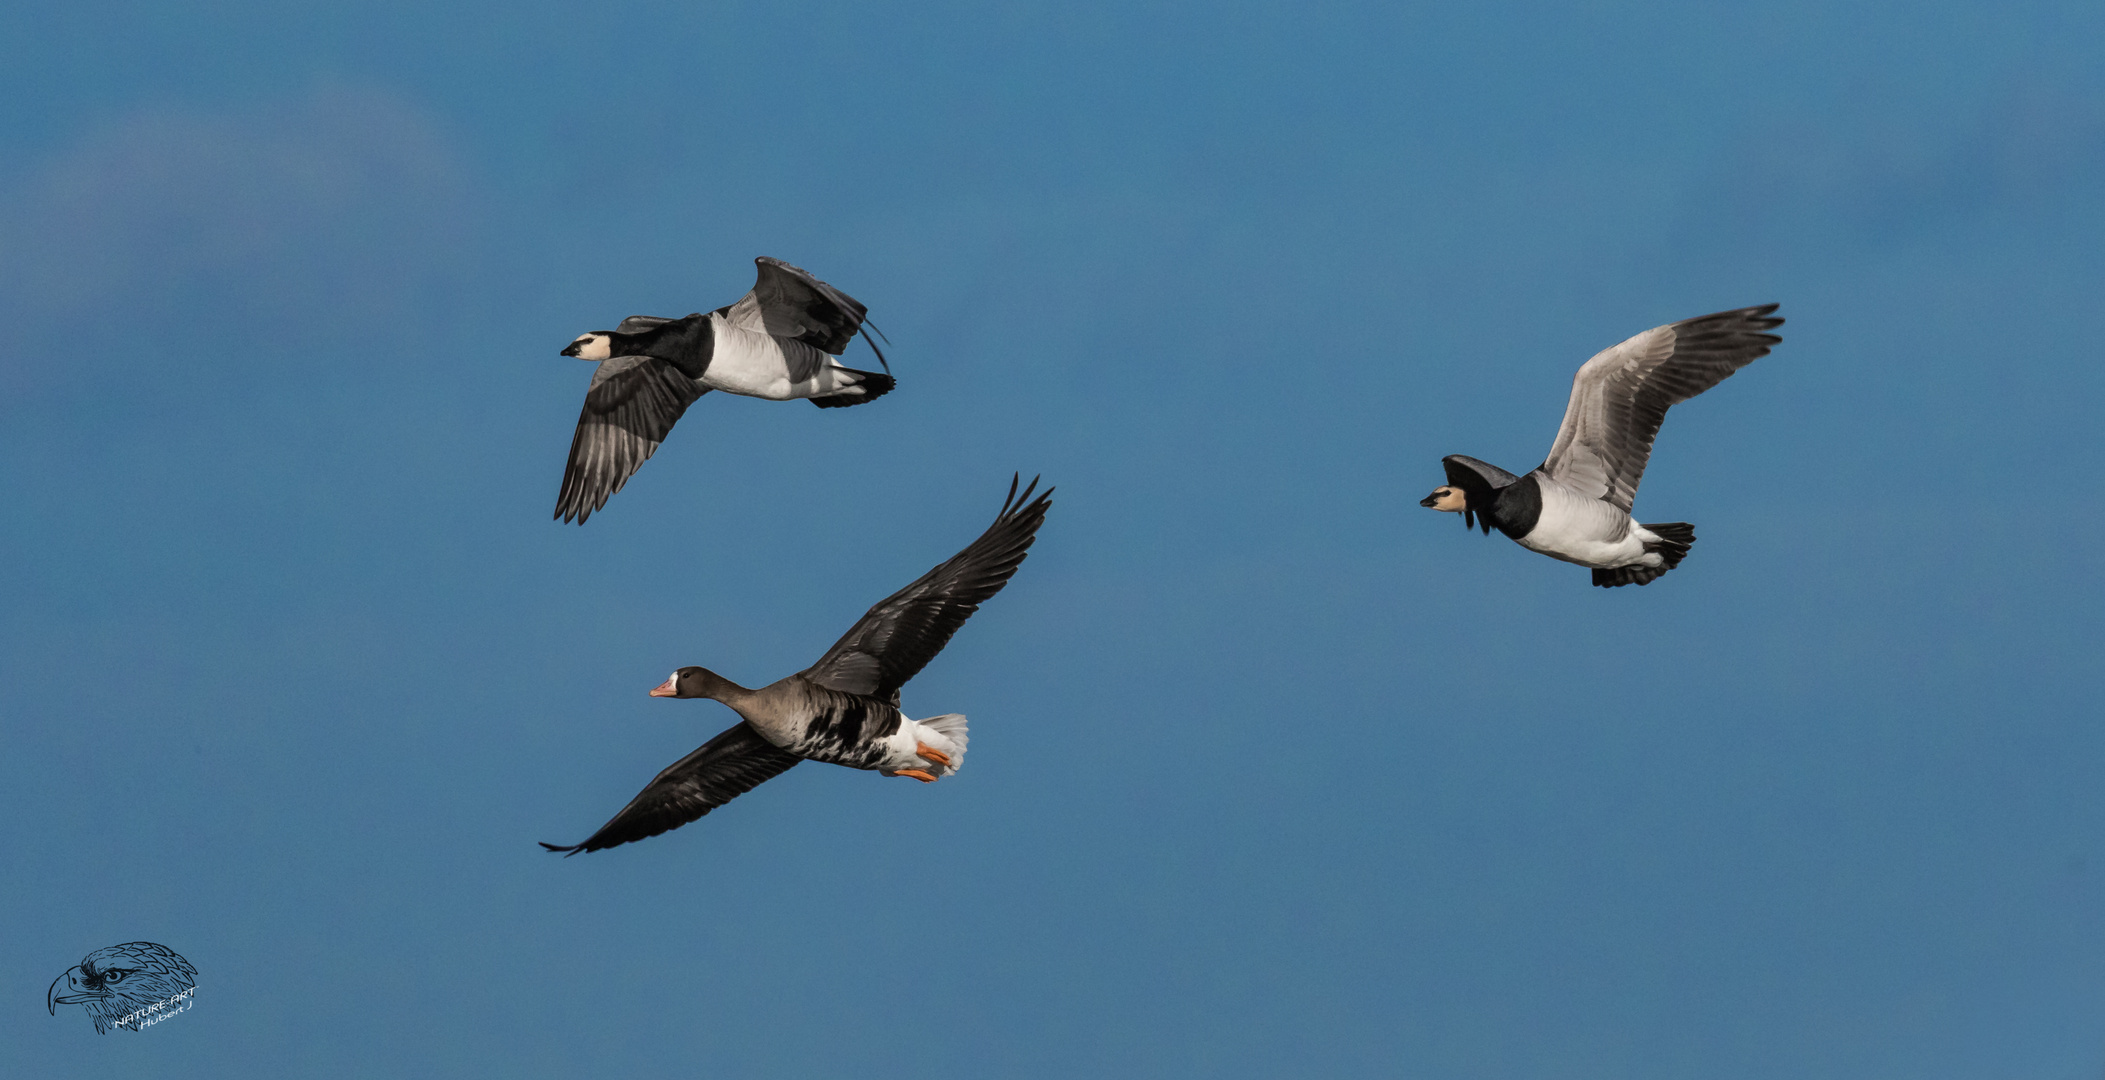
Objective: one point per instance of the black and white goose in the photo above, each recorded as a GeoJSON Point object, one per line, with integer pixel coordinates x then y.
{"type": "Point", "coordinates": [1576, 505]}
{"type": "Point", "coordinates": [777, 342]}
{"type": "Point", "coordinates": [845, 708]}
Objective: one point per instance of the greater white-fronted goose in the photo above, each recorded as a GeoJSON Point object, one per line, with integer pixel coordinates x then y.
{"type": "Point", "coordinates": [845, 708]}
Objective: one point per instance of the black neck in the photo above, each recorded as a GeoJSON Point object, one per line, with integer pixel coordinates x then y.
{"type": "Point", "coordinates": [1516, 507]}
{"type": "Point", "coordinates": [684, 343]}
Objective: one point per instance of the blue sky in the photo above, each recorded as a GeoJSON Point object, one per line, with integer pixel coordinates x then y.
{"type": "Point", "coordinates": [1273, 772]}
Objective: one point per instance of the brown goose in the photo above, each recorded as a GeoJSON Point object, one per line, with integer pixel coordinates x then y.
{"type": "Point", "coordinates": [777, 342]}
{"type": "Point", "coordinates": [845, 708]}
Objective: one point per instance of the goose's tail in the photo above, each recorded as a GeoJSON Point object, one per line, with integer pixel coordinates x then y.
{"type": "Point", "coordinates": [868, 386]}
{"type": "Point", "coordinates": [946, 734]}
{"type": "Point", "coordinates": [1675, 538]}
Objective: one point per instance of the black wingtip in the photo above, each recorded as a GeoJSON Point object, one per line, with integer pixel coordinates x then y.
{"type": "Point", "coordinates": [1015, 503]}
{"type": "Point", "coordinates": [566, 849]}
{"type": "Point", "coordinates": [1755, 319]}
{"type": "Point", "coordinates": [573, 505]}
{"type": "Point", "coordinates": [864, 330]}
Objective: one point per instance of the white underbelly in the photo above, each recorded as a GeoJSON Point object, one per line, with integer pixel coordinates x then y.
{"type": "Point", "coordinates": [1599, 554]}
{"type": "Point", "coordinates": [1586, 531]}
{"type": "Point", "coordinates": [761, 365]}
{"type": "Point", "coordinates": [747, 363]}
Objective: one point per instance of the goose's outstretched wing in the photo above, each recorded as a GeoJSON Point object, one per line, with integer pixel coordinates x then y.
{"type": "Point", "coordinates": [788, 302]}
{"type": "Point", "coordinates": [1619, 397]}
{"type": "Point", "coordinates": [898, 637]}
{"type": "Point", "coordinates": [629, 408]}
{"type": "Point", "coordinates": [724, 768]}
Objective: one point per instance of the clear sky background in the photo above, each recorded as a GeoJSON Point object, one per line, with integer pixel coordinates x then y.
{"type": "Point", "coordinates": [1273, 772]}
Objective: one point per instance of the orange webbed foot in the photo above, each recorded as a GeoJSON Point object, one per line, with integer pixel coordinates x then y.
{"type": "Point", "coordinates": [929, 753]}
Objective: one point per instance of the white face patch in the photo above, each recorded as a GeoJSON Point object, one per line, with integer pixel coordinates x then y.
{"type": "Point", "coordinates": [593, 346]}
{"type": "Point", "coordinates": [1450, 499]}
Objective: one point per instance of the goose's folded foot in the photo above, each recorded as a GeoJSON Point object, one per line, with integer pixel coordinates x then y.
{"type": "Point", "coordinates": [929, 753]}
{"type": "Point", "coordinates": [919, 774]}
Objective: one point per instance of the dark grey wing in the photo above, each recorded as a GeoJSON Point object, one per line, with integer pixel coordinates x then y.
{"type": "Point", "coordinates": [631, 405]}
{"type": "Point", "coordinates": [1620, 397]}
{"type": "Point", "coordinates": [724, 768]}
{"type": "Point", "coordinates": [788, 302]}
{"type": "Point", "coordinates": [898, 637]}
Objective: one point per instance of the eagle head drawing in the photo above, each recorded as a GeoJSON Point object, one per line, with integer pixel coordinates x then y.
{"type": "Point", "coordinates": [116, 983]}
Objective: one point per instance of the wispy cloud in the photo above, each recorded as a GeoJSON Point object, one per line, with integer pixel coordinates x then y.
{"type": "Point", "coordinates": [316, 215]}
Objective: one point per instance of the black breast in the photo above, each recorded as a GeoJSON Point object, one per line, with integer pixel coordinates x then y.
{"type": "Point", "coordinates": [1519, 507]}
{"type": "Point", "coordinates": [686, 343]}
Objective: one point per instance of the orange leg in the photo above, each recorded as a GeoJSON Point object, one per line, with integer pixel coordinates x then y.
{"type": "Point", "coordinates": [918, 774]}
{"type": "Point", "coordinates": [929, 753]}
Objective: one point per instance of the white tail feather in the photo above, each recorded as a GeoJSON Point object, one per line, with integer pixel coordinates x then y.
{"type": "Point", "coordinates": [951, 726]}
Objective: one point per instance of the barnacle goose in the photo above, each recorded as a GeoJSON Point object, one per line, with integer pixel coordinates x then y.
{"type": "Point", "coordinates": [777, 342]}
{"type": "Point", "coordinates": [1576, 505]}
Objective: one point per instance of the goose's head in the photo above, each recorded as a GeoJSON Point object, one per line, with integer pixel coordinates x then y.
{"type": "Point", "coordinates": [1471, 490]}
{"type": "Point", "coordinates": [693, 682]}
{"type": "Point", "coordinates": [1447, 499]}
{"type": "Point", "coordinates": [597, 345]}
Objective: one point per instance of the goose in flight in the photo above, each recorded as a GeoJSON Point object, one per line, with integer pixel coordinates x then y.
{"type": "Point", "coordinates": [1576, 505]}
{"type": "Point", "coordinates": [777, 342]}
{"type": "Point", "coordinates": [845, 708]}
